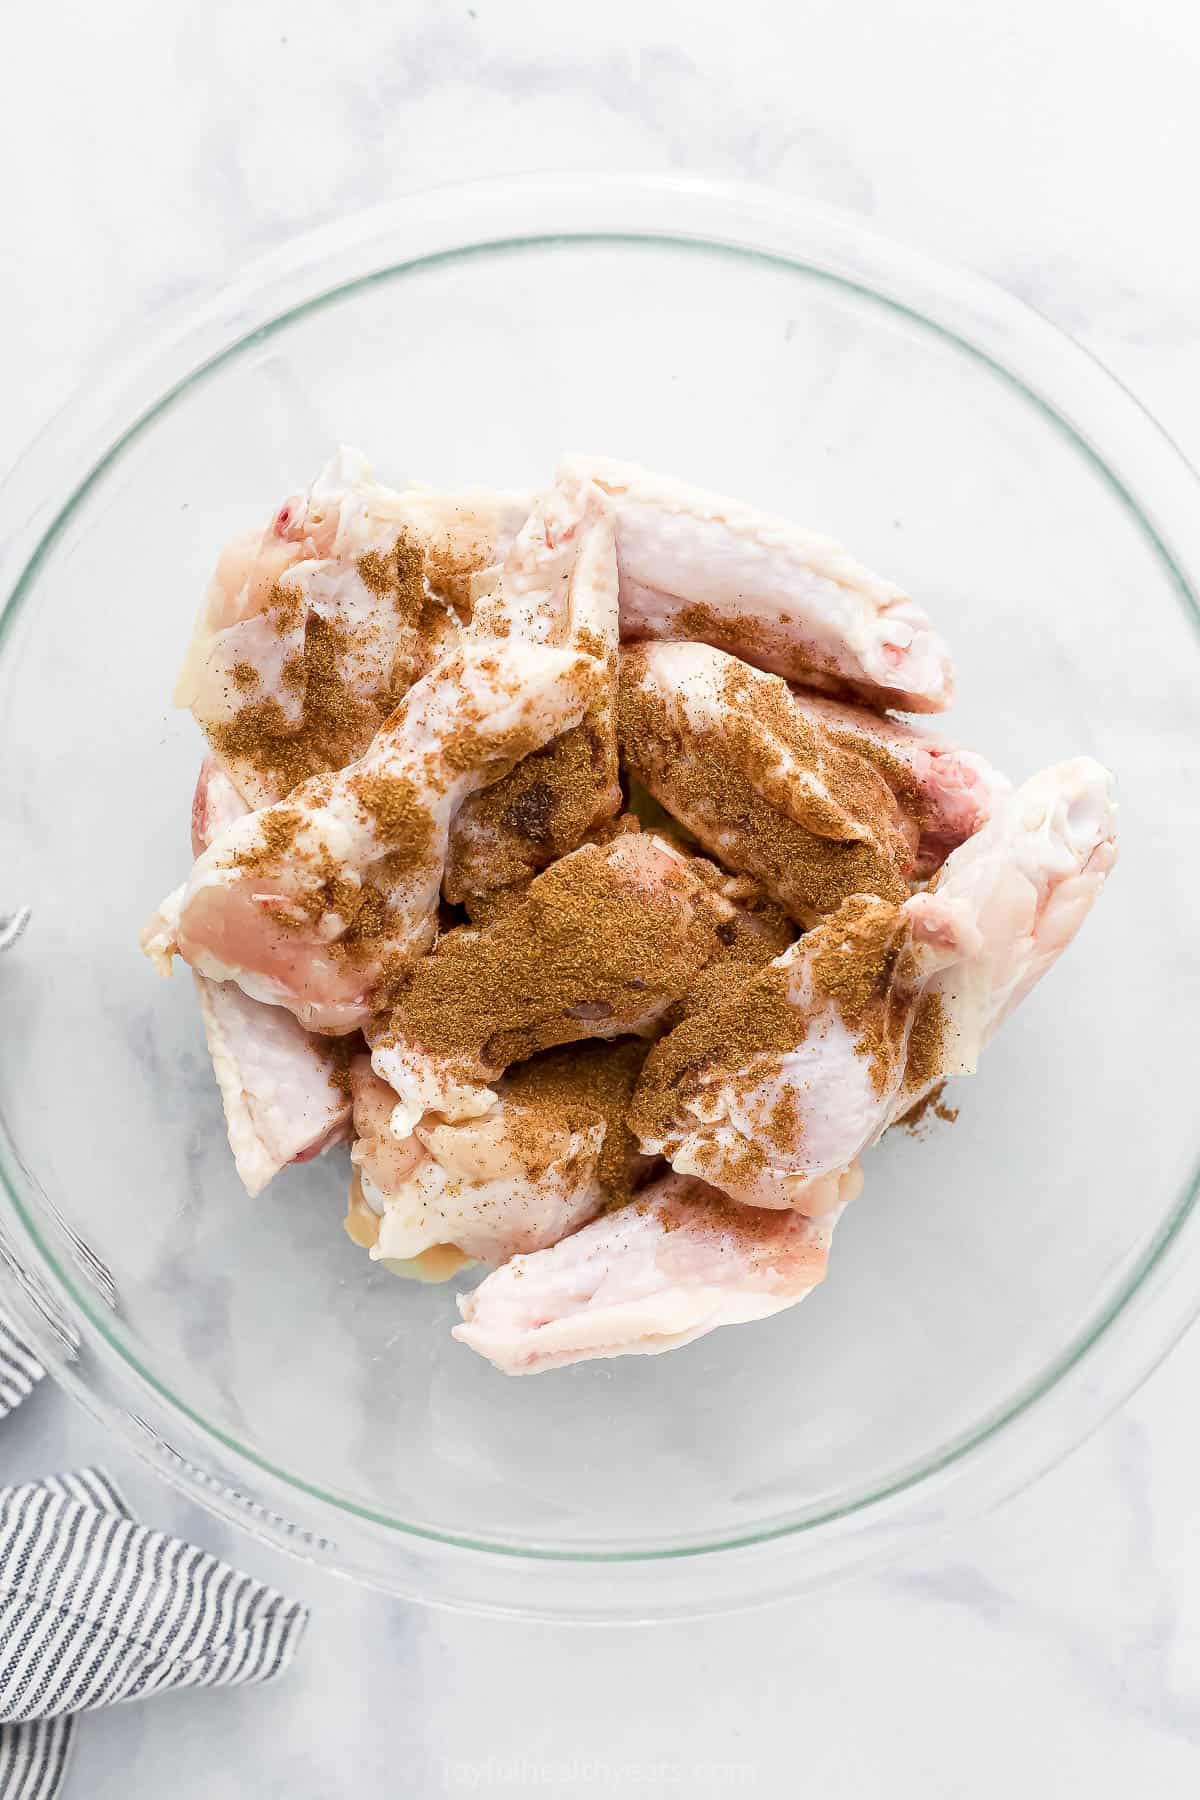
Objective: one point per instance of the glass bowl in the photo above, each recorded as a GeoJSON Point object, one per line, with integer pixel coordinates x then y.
{"type": "Point", "coordinates": [1000, 1284]}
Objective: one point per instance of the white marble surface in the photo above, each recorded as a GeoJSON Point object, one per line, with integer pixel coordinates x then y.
{"type": "Point", "coordinates": [1054, 1648]}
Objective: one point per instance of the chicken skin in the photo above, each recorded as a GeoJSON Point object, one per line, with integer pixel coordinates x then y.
{"type": "Point", "coordinates": [304, 903]}
{"type": "Point", "coordinates": [764, 787]}
{"type": "Point", "coordinates": [788, 1077]}
{"type": "Point", "coordinates": [283, 1089]}
{"type": "Point", "coordinates": [677, 1262]}
{"type": "Point", "coordinates": [552, 1151]}
{"type": "Point", "coordinates": [313, 630]}
{"type": "Point", "coordinates": [695, 565]}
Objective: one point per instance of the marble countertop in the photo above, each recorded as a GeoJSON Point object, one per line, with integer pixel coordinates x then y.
{"type": "Point", "coordinates": [1054, 1647]}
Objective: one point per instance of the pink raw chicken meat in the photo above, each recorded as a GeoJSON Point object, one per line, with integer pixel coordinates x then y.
{"type": "Point", "coordinates": [268, 902]}
{"type": "Point", "coordinates": [696, 565]}
{"type": "Point", "coordinates": [949, 793]}
{"type": "Point", "coordinates": [947, 967]}
{"type": "Point", "coordinates": [675, 1263]}
{"type": "Point", "coordinates": [308, 565]}
{"type": "Point", "coordinates": [276, 1079]}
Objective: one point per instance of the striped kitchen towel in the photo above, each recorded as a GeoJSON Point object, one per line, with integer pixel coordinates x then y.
{"type": "Point", "coordinates": [96, 1609]}
{"type": "Point", "coordinates": [19, 1370]}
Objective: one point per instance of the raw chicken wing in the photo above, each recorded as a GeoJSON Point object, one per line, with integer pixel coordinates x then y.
{"type": "Point", "coordinates": [695, 565]}
{"type": "Point", "coordinates": [788, 1077]}
{"type": "Point", "coordinates": [549, 1155]}
{"type": "Point", "coordinates": [675, 1263]}
{"type": "Point", "coordinates": [283, 1089]}
{"type": "Point", "coordinates": [312, 631]}
{"type": "Point", "coordinates": [732, 755]}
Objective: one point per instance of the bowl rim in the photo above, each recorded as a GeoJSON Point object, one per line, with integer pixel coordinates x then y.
{"type": "Point", "coordinates": [1153, 1305]}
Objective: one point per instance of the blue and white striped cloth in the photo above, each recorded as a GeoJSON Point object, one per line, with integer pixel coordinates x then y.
{"type": "Point", "coordinates": [19, 1370]}
{"type": "Point", "coordinates": [96, 1609]}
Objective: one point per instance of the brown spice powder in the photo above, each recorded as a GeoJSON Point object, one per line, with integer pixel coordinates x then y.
{"type": "Point", "coordinates": [746, 1019]}
{"type": "Point", "coordinates": [339, 1052]}
{"type": "Point", "coordinates": [859, 962]}
{"type": "Point", "coordinates": [572, 1090]}
{"type": "Point", "coordinates": [894, 770]}
{"type": "Point", "coordinates": [337, 721]}
{"type": "Point", "coordinates": [285, 608]}
{"type": "Point", "coordinates": [748, 637]}
{"type": "Point", "coordinates": [536, 813]}
{"type": "Point", "coordinates": [402, 820]}
{"type": "Point", "coordinates": [593, 942]}
{"type": "Point", "coordinates": [856, 961]}
{"type": "Point", "coordinates": [926, 1042]}
{"type": "Point", "coordinates": [375, 573]}
{"type": "Point", "coordinates": [398, 576]}
{"type": "Point", "coordinates": [278, 829]}
{"type": "Point", "coordinates": [450, 575]}
{"type": "Point", "coordinates": [916, 1119]}
{"type": "Point", "coordinates": [335, 727]}
{"type": "Point", "coordinates": [717, 782]}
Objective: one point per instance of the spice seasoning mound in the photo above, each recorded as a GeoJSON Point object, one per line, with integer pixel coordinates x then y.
{"type": "Point", "coordinates": [785, 1124]}
{"type": "Point", "coordinates": [374, 573]}
{"type": "Point", "coordinates": [244, 674]}
{"type": "Point", "coordinates": [752, 934]}
{"type": "Point", "coordinates": [894, 769]}
{"type": "Point", "coordinates": [727, 785]}
{"type": "Point", "coordinates": [474, 747]}
{"type": "Point", "coordinates": [338, 1052]}
{"type": "Point", "coordinates": [735, 1021]}
{"type": "Point", "coordinates": [411, 599]}
{"type": "Point", "coordinates": [285, 608]}
{"type": "Point", "coordinates": [403, 821]}
{"type": "Point", "coordinates": [606, 937]}
{"type": "Point", "coordinates": [571, 1091]}
{"type": "Point", "coordinates": [483, 908]}
{"type": "Point", "coordinates": [398, 576]}
{"type": "Point", "coordinates": [748, 1019]}
{"type": "Point", "coordinates": [371, 922]}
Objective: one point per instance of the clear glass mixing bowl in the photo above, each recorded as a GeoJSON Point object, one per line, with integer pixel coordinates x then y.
{"type": "Point", "coordinates": [997, 1288]}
